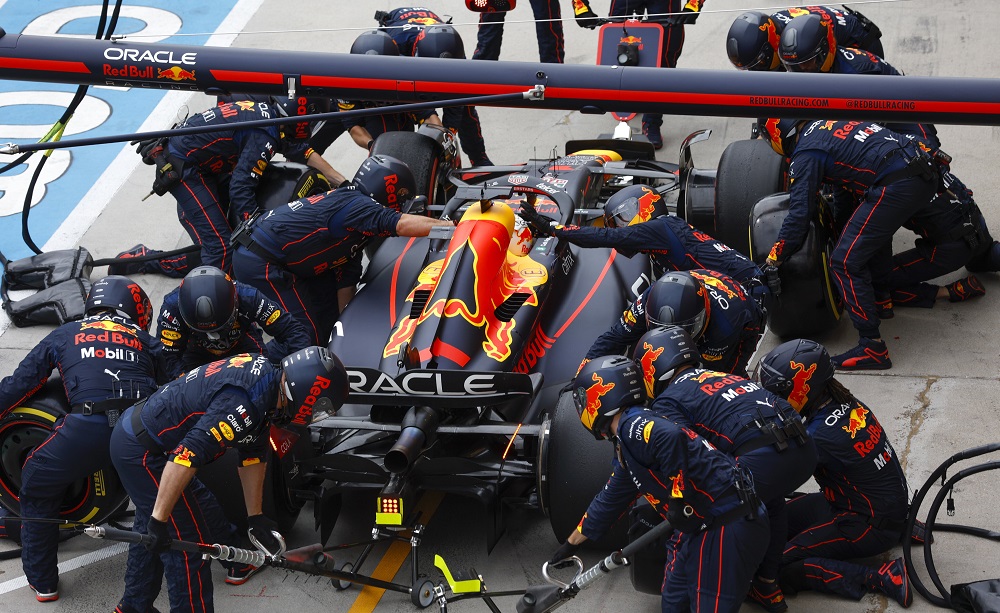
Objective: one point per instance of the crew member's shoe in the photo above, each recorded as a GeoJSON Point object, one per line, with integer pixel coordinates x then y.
{"type": "Point", "coordinates": [870, 354]}
{"type": "Point", "coordinates": [895, 583]}
{"type": "Point", "coordinates": [767, 596]}
{"type": "Point", "coordinates": [45, 595]}
{"type": "Point", "coordinates": [130, 268]}
{"type": "Point", "coordinates": [652, 133]}
{"type": "Point", "coordinates": [238, 575]}
{"type": "Point", "coordinates": [965, 289]}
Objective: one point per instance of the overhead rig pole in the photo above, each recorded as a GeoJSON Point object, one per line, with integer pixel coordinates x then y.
{"type": "Point", "coordinates": [589, 89]}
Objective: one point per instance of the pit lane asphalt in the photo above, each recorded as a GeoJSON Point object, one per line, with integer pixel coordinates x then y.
{"type": "Point", "coordinates": [940, 397]}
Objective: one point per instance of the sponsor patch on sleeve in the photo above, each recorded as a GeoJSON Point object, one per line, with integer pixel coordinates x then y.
{"type": "Point", "coordinates": [273, 317]}
{"type": "Point", "coordinates": [182, 455]}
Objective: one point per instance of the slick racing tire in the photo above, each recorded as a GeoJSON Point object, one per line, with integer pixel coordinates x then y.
{"type": "Point", "coordinates": [284, 182]}
{"type": "Point", "coordinates": [423, 156]}
{"type": "Point", "coordinates": [576, 468]}
{"type": "Point", "coordinates": [748, 171]}
{"type": "Point", "coordinates": [93, 500]}
{"type": "Point", "coordinates": [222, 477]}
{"type": "Point", "coordinates": [809, 304]}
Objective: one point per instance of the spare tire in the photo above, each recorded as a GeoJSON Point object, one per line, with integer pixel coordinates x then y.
{"type": "Point", "coordinates": [748, 171]}
{"type": "Point", "coordinates": [284, 182]}
{"type": "Point", "coordinates": [573, 468]}
{"type": "Point", "coordinates": [92, 500]}
{"type": "Point", "coordinates": [809, 304]}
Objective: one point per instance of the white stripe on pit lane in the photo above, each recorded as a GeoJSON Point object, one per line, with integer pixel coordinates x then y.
{"type": "Point", "coordinates": [72, 564]}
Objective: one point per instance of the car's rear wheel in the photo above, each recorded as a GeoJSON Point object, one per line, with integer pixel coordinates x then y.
{"type": "Point", "coordinates": [423, 156]}
{"type": "Point", "coordinates": [575, 468]}
{"type": "Point", "coordinates": [92, 500]}
{"type": "Point", "coordinates": [809, 304]}
{"type": "Point", "coordinates": [748, 171]}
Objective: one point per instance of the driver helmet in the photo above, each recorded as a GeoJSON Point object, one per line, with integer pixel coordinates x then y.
{"type": "Point", "coordinates": [374, 42]}
{"type": "Point", "coordinates": [387, 180]}
{"type": "Point", "coordinates": [678, 299]}
{"type": "Point", "coordinates": [808, 44]}
{"type": "Point", "coordinates": [632, 205]}
{"type": "Point", "coordinates": [752, 42]}
{"type": "Point", "coordinates": [781, 134]}
{"type": "Point", "coordinates": [439, 41]}
{"type": "Point", "coordinates": [521, 239]}
{"type": "Point", "coordinates": [123, 296]}
{"type": "Point", "coordinates": [798, 371]}
{"type": "Point", "coordinates": [660, 353]}
{"type": "Point", "coordinates": [207, 301]}
{"type": "Point", "coordinates": [315, 384]}
{"type": "Point", "coordinates": [604, 387]}
{"type": "Point", "coordinates": [300, 105]}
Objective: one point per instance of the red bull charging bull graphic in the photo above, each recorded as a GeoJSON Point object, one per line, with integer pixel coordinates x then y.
{"type": "Point", "coordinates": [593, 396]}
{"type": "Point", "coordinates": [857, 420]}
{"type": "Point", "coordinates": [799, 395]}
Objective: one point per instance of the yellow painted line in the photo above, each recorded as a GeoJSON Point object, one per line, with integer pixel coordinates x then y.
{"type": "Point", "coordinates": [394, 557]}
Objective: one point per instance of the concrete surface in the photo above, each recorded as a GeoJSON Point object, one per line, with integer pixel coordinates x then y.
{"type": "Point", "coordinates": [941, 396]}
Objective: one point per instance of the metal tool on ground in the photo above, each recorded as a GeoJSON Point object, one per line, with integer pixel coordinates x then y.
{"type": "Point", "coordinates": [545, 598]}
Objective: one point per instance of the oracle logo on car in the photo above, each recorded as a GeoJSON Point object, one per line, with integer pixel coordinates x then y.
{"type": "Point", "coordinates": [304, 415]}
{"type": "Point", "coordinates": [115, 54]}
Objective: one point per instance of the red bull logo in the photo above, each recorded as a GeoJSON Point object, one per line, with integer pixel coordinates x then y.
{"type": "Point", "coordinates": [647, 206]}
{"type": "Point", "coordinates": [237, 361]}
{"type": "Point", "coordinates": [631, 40]}
{"type": "Point", "coordinates": [797, 12]}
{"type": "Point", "coordinates": [856, 421]}
{"type": "Point", "coordinates": [715, 283]}
{"type": "Point", "coordinates": [677, 485]}
{"type": "Point", "coordinates": [593, 395]}
{"type": "Point", "coordinates": [774, 134]}
{"type": "Point", "coordinates": [424, 21]}
{"type": "Point", "coordinates": [773, 38]}
{"type": "Point", "coordinates": [107, 326]}
{"type": "Point", "coordinates": [647, 363]}
{"type": "Point", "coordinates": [705, 375]}
{"type": "Point", "coordinates": [175, 73]}
{"type": "Point", "coordinates": [800, 385]}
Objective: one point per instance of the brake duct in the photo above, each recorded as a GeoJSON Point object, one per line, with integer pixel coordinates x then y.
{"type": "Point", "coordinates": [590, 89]}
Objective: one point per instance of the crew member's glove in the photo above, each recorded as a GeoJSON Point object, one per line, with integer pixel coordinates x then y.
{"type": "Point", "coordinates": [774, 257]}
{"type": "Point", "coordinates": [773, 280]}
{"type": "Point", "coordinates": [157, 531]}
{"type": "Point", "coordinates": [689, 14]}
{"type": "Point", "coordinates": [261, 528]}
{"type": "Point", "coordinates": [560, 559]}
{"type": "Point", "coordinates": [540, 225]}
{"type": "Point", "coordinates": [585, 16]}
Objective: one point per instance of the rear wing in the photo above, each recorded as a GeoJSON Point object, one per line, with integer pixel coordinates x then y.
{"type": "Point", "coordinates": [439, 388]}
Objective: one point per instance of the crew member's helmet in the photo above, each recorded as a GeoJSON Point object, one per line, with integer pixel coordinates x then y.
{"type": "Point", "coordinates": [207, 301]}
{"type": "Point", "coordinates": [315, 384]}
{"type": "Point", "coordinates": [632, 205]}
{"type": "Point", "coordinates": [678, 299]}
{"type": "Point", "coordinates": [604, 387]}
{"type": "Point", "coordinates": [374, 42]}
{"type": "Point", "coordinates": [752, 42]}
{"type": "Point", "coordinates": [660, 353]}
{"type": "Point", "coordinates": [798, 371]}
{"type": "Point", "coordinates": [781, 134]}
{"type": "Point", "coordinates": [808, 44]}
{"type": "Point", "coordinates": [439, 41]}
{"type": "Point", "coordinates": [387, 180]}
{"type": "Point", "coordinates": [123, 296]}
{"type": "Point", "coordinates": [294, 107]}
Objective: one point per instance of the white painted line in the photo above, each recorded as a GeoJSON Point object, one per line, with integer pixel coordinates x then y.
{"type": "Point", "coordinates": [93, 203]}
{"type": "Point", "coordinates": [71, 564]}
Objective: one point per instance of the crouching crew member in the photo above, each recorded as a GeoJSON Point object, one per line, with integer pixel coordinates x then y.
{"type": "Point", "coordinates": [160, 443]}
{"type": "Point", "coordinates": [107, 361]}
{"type": "Point", "coordinates": [720, 528]}
{"type": "Point", "coordinates": [761, 431]}
{"type": "Point", "coordinates": [862, 509]}
{"type": "Point", "coordinates": [210, 316]}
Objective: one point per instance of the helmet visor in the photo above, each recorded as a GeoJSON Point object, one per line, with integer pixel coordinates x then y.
{"type": "Point", "coordinates": [623, 214]}
{"type": "Point", "coordinates": [694, 326]}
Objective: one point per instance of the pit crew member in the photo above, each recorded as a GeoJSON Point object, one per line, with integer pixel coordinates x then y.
{"type": "Point", "coordinates": [720, 529]}
{"type": "Point", "coordinates": [862, 509]}
{"type": "Point", "coordinates": [752, 42]}
{"type": "Point", "coordinates": [210, 316]}
{"type": "Point", "coordinates": [761, 431]}
{"type": "Point", "coordinates": [217, 174]}
{"type": "Point", "coordinates": [107, 361]}
{"type": "Point", "coordinates": [548, 31]}
{"type": "Point", "coordinates": [300, 253]}
{"type": "Point", "coordinates": [712, 307]}
{"type": "Point", "coordinates": [160, 443]}
{"type": "Point", "coordinates": [684, 12]}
